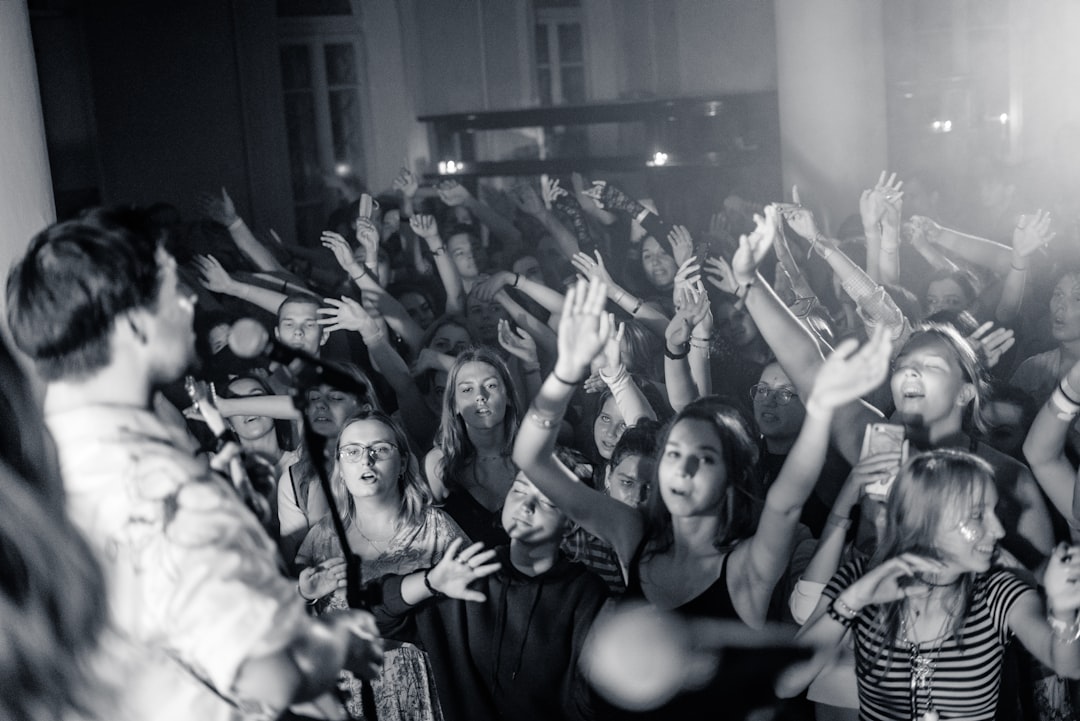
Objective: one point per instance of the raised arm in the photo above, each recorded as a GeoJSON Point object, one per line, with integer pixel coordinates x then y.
{"type": "Point", "coordinates": [222, 209]}
{"type": "Point", "coordinates": [550, 300]}
{"type": "Point", "coordinates": [795, 346]}
{"type": "Point", "coordinates": [1044, 447]}
{"type": "Point", "coordinates": [216, 279]}
{"type": "Point", "coordinates": [594, 268]}
{"type": "Point", "coordinates": [997, 257]}
{"type": "Point", "coordinates": [453, 193]}
{"type": "Point", "coordinates": [529, 201]}
{"type": "Point", "coordinates": [346, 314]}
{"type": "Point", "coordinates": [844, 377]}
{"type": "Point", "coordinates": [629, 399]}
{"type": "Point", "coordinates": [425, 227]}
{"type": "Point", "coordinates": [583, 330]}
{"type": "Point", "coordinates": [687, 337]}
{"type": "Point", "coordinates": [1031, 233]}
{"type": "Point", "coordinates": [919, 230]}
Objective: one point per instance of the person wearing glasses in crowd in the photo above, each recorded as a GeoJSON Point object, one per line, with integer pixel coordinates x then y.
{"type": "Point", "coordinates": [778, 415]}
{"type": "Point", "coordinates": [392, 524]}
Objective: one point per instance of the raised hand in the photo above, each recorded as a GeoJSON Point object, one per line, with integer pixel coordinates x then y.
{"type": "Point", "coordinates": [873, 204]}
{"type": "Point", "coordinates": [517, 342]}
{"type": "Point", "coordinates": [609, 197]}
{"type": "Point", "coordinates": [347, 314]}
{"type": "Point", "coordinates": [527, 199]}
{"type": "Point", "coordinates": [406, 183]}
{"type": "Point", "coordinates": [590, 268]}
{"type": "Point", "coordinates": [994, 343]}
{"type": "Point", "coordinates": [428, 359]}
{"type": "Point", "coordinates": [682, 244]}
{"type": "Point", "coordinates": [1031, 232]}
{"type": "Point", "coordinates": [213, 275]}
{"type": "Point", "coordinates": [850, 372]}
{"type": "Point", "coordinates": [893, 580]}
{"type": "Point", "coordinates": [323, 579]}
{"type": "Point", "coordinates": [424, 226]}
{"type": "Point", "coordinates": [455, 571]}
{"type": "Point", "coordinates": [486, 289]}
{"type": "Point", "coordinates": [551, 191]}
{"type": "Point", "coordinates": [718, 273]}
{"type": "Point", "coordinates": [693, 310]}
{"type": "Point", "coordinates": [923, 230]}
{"type": "Point", "coordinates": [688, 275]}
{"type": "Point", "coordinates": [218, 207]}
{"type": "Point", "coordinates": [754, 247]}
{"type": "Point", "coordinates": [367, 234]}
{"type": "Point", "coordinates": [584, 327]}
{"type": "Point", "coordinates": [343, 252]}
{"type": "Point", "coordinates": [453, 193]}
{"type": "Point", "coordinates": [612, 354]}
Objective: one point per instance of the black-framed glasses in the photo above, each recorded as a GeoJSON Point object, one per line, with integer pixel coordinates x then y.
{"type": "Point", "coordinates": [762, 392]}
{"type": "Point", "coordinates": [354, 452]}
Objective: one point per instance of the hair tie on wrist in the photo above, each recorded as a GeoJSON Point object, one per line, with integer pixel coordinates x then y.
{"type": "Point", "coordinates": [1068, 391]}
{"type": "Point", "coordinates": [677, 356]}
{"type": "Point", "coordinates": [427, 583]}
{"type": "Point", "coordinates": [565, 382]}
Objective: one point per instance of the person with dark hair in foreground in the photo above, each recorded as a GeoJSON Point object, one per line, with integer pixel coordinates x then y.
{"type": "Point", "coordinates": [207, 625]}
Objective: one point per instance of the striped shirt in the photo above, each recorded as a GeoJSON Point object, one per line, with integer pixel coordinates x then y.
{"type": "Point", "coordinates": [967, 674]}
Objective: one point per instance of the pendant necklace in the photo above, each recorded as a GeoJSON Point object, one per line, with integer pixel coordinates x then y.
{"type": "Point", "coordinates": [922, 670]}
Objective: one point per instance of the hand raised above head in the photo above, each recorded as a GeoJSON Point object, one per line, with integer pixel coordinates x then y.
{"type": "Point", "coordinates": [850, 372]}
{"type": "Point", "coordinates": [584, 327]}
{"type": "Point", "coordinates": [753, 248]}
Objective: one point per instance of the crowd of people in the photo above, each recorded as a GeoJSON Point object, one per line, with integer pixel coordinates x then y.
{"type": "Point", "coordinates": [406, 469]}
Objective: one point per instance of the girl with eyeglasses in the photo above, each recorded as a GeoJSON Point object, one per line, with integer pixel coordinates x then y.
{"type": "Point", "coordinates": [392, 524]}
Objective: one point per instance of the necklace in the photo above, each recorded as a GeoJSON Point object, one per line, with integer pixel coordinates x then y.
{"type": "Point", "coordinates": [489, 459]}
{"type": "Point", "coordinates": [922, 668]}
{"type": "Point", "coordinates": [372, 541]}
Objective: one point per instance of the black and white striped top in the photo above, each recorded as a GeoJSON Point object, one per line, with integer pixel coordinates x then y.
{"type": "Point", "coordinates": [967, 674]}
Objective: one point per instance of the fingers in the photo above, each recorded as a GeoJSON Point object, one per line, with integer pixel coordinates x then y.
{"type": "Point", "coordinates": [795, 195]}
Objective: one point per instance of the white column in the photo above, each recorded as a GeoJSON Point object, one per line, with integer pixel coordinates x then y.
{"type": "Point", "coordinates": [831, 84]}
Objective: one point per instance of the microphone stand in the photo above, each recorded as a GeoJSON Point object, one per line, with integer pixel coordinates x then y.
{"type": "Point", "coordinates": [357, 595]}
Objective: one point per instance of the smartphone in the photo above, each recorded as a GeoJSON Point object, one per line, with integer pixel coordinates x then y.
{"type": "Point", "coordinates": [365, 206]}
{"type": "Point", "coordinates": [883, 438]}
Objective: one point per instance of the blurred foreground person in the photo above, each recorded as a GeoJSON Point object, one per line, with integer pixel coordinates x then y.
{"type": "Point", "coordinates": [207, 626]}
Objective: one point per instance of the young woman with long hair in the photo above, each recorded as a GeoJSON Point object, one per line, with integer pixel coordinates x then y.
{"type": "Point", "coordinates": [930, 613]}
{"type": "Point", "coordinates": [469, 469]}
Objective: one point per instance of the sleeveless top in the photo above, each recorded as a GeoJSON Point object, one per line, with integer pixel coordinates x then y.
{"type": "Point", "coordinates": [713, 602]}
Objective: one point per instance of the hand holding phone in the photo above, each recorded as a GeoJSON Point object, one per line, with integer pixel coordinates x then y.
{"type": "Point", "coordinates": [883, 438]}
{"type": "Point", "coordinates": [365, 206]}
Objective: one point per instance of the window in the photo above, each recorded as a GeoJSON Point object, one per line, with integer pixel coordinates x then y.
{"type": "Point", "coordinates": [322, 79]}
{"type": "Point", "coordinates": [560, 53]}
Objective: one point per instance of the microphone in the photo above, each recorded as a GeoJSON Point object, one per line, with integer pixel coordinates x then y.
{"type": "Point", "coordinates": [248, 338]}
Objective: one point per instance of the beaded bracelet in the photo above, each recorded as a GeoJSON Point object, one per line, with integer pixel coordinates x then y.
{"type": "Point", "coordinates": [840, 618]}
{"type": "Point", "coordinates": [542, 421]}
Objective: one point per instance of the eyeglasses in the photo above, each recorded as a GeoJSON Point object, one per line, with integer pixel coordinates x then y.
{"type": "Point", "coordinates": [354, 452]}
{"type": "Point", "coordinates": [761, 391]}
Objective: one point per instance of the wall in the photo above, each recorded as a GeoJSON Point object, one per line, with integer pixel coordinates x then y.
{"type": "Point", "coordinates": [26, 202]}
{"type": "Point", "coordinates": [831, 70]}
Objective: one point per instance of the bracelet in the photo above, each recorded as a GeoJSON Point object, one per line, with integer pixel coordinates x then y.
{"type": "Point", "coordinates": [1066, 409]}
{"type": "Point", "coordinates": [438, 251]}
{"type": "Point", "coordinates": [1065, 388]}
{"type": "Point", "coordinates": [363, 272]}
{"type": "Point", "coordinates": [836, 615]}
{"type": "Point", "coordinates": [1063, 631]}
{"type": "Point", "coordinates": [677, 356]}
{"type": "Point", "coordinates": [637, 307]}
{"type": "Point", "coordinates": [835, 519]}
{"type": "Point", "coordinates": [517, 277]}
{"type": "Point", "coordinates": [748, 285]}
{"type": "Point", "coordinates": [427, 583]}
{"type": "Point", "coordinates": [373, 338]}
{"type": "Point", "coordinates": [310, 601]}
{"type": "Point", "coordinates": [564, 381]}
{"type": "Point", "coordinates": [699, 343]}
{"type": "Point", "coordinates": [224, 438]}
{"type": "Point", "coordinates": [619, 298]}
{"type": "Point", "coordinates": [543, 421]}
{"type": "Point", "coordinates": [1021, 270]}
{"type": "Point", "coordinates": [236, 223]}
